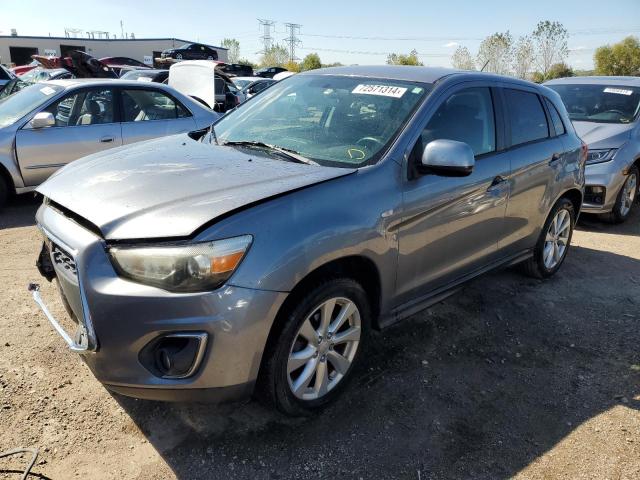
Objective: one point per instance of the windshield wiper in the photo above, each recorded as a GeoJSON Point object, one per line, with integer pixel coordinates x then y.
{"type": "Point", "coordinates": [287, 152]}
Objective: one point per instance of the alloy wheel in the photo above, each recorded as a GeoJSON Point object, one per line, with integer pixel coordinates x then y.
{"type": "Point", "coordinates": [557, 239]}
{"type": "Point", "coordinates": [324, 348]}
{"type": "Point", "coordinates": [629, 190]}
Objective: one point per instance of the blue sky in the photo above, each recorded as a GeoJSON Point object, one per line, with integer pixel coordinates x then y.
{"type": "Point", "coordinates": [433, 28]}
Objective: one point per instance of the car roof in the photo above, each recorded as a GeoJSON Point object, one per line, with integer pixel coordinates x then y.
{"type": "Point", "coordinates": [77, 82]}
{"type": "Point", "coordinates": [248, 78]}
{"type": "Point", "coordinates": [596, 80]}
{"type": "Point", "coordinates": [408, 73]}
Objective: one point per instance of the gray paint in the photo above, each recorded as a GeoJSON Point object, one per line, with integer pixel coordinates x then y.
{"type": "Point", "coordinates": [423, 234]}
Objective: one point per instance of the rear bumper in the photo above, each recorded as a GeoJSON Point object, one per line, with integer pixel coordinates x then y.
{"type": "Point", "coordinates": [127, 316]}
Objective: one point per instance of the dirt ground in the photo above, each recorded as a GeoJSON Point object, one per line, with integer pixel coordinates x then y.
{"type": "Point", "coordinates": [512, 377]}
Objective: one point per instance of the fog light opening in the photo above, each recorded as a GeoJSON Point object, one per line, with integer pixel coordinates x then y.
{"type": "Point", "coordinates": [174, 355]}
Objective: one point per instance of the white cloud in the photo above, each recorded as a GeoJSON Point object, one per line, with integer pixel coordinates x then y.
{"type": "Point", "coordinates": [451, 44]}
{"type": "Point", "coordinates": [579, 47]}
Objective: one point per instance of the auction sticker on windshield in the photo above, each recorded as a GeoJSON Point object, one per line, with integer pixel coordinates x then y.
{"type": "Point", "coordinates": [47, 90]}
{"type": "Point", "coordinates": [382, 90]}
{"type": "Point", "coordinates": [619, 91]}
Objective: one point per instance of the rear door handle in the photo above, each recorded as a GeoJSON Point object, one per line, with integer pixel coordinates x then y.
{"type": "Point", "coordinates": [107, 139]}
{"type": "Point", "coordinates": [554, 158]}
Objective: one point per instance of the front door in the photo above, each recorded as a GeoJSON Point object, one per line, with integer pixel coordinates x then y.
{"type": "Point", "coordinates": [452, 225]}
{"type": "Point", "coordinates": [85, 124]}
{"type": "Point", "coordinates": [149, 113]}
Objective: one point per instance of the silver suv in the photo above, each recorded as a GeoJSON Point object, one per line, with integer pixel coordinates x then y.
{"type": "Point", "coordinates": [606, 114]}
{"type": "Point", "coordinates": [261, 256]}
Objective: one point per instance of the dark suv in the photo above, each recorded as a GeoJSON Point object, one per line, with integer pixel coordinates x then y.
{"type": "Point", "coordinates": [191, 51]}
{"type": "Point", "coordinates": [237, 70]}
{"type": "Point", "coordinates": [269, 72]}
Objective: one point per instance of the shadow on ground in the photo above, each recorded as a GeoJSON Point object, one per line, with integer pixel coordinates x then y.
{"type": "Point", "coordinates": [20, 211]}
{"type": "Point", "coordinates": [476, 387]}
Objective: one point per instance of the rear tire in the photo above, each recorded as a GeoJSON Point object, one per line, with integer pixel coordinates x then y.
{"type": "Point", "coordinates": [553, 244]}
{"type": "Point", "coordinates": [300, 376]}
{"type": "Point", "coordinates": [625, 199]}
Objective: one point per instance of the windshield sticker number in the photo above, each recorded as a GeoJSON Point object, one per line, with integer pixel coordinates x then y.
{"type": "Point", "coordinates": [47, 91]}
{"type": "Point", "coordinates": [382, 90]}
{"type": "Point", "coordinates": [619, 91]}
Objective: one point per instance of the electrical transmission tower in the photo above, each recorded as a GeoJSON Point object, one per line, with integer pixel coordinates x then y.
{"type": "Point", "coordinates": [292, 40]}
{"type": "Point", "coordinates": [267, 39]}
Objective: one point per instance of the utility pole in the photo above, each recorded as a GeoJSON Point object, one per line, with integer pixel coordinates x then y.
{"type": "Point", "coordinates": [292, 39]}
{"type": "Point", "coordinates": [267, 39]}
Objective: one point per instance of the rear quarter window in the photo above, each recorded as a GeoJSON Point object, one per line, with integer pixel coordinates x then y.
{"type": "Point", "coordinates": [556, 119]}
{"type": "Point", "coordinates": [527, 119]}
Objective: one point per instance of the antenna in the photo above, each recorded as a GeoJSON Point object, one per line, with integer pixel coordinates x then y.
{"type": "Point", "coordinates": [485, 65]}
{"type": "Point", "coordinates": [293, 40]}
{"type": "Point", "coordinates": [266, 37]}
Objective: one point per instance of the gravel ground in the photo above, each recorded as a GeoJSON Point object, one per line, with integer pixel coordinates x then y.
{"type": "Point", "coordinates": [512, 377]}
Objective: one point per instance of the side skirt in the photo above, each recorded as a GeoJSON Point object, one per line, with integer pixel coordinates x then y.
{"type": "Point", "coordinates": [435, 296]}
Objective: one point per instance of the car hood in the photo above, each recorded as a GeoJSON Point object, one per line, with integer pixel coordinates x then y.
{"type": "Point", "coordinates": [169, 187]}
{"type": "Point", "coordinates": [603, 135]}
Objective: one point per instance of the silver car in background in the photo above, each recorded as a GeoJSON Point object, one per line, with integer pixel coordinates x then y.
{"type": "Point", "coordinates": [335, 202]}
{"type": "Point", "coordinates": [47, 125]}
{"type": "Point", "coordinates": [605, 112]}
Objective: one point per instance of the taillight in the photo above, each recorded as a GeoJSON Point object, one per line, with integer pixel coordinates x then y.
{"type": "Point", "coordinates": [585, 151]}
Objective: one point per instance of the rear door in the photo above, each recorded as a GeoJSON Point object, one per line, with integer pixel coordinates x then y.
{"type": "Point", "coordinates": [149, 113]}
{"type": "Point", "coordinates": [452, 225]}
{"type": "Point", "coordinates": [86, 123]}
{"type": "Point", "coordinates": [534, 154]}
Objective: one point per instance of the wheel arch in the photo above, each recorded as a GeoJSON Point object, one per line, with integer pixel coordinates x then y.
{"type": "Point", "coordinates": [575, 197]}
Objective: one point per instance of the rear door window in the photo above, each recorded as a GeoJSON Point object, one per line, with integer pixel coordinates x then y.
{"type": "Point", "coordinates": [466, 116]}
{"type": "Point", "coordinates": [526, 116]}
{"type": "Point", "coordinates": [141, 105]}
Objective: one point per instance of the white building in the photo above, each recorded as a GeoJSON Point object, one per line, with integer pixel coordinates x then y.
{"type": "Point", "coordinates": [18, 49]}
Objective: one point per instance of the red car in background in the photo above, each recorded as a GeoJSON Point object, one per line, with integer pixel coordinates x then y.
{"type": "Point", "coordinates": [24, 68]}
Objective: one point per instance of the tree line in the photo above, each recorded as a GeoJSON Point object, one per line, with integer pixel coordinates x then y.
{"type": "Point", "coordinates": [276, 56]}
{"type": "Point", "coordinates": [542, 55]}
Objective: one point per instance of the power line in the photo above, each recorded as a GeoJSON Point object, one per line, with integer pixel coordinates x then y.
{"type": "Point", "coordinates": [581, 32]}
{"type": "Point", "coordinates": [292, 40]}
{"type": "Point", "coordinates": [266, 37]}
{"type": "Point", "coordinates": [359, 52]}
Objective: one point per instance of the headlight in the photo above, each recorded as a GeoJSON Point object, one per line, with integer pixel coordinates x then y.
{"type": "Point", "coordinates": [600, 156]}
{"type": "Point", "coordinates": [194, 267]}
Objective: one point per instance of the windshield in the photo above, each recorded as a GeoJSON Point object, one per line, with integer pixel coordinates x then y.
{"type": "Point", "coordinates": [333, 120]}
{"type": "Point", "coordinates": [241, 83]}
{"type": "Point", "coordinates": [600, 103]}
{"type": "Point", "coordinates": [137, 74]}
{"type": "Point", "coordinates": [16, 106]}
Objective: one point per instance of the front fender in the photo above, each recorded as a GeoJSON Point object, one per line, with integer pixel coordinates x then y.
{"type": "Point", "coordinates": [299, 232]}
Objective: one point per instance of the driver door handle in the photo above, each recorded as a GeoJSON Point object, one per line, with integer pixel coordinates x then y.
{"type": "Point", "coordinates": [497, 181]}
{"type": "Point", "coordinates": [107, 139]}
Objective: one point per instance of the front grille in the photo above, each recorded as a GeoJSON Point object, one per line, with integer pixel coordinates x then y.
{"type": "Point", "coordinates": [62, 258]}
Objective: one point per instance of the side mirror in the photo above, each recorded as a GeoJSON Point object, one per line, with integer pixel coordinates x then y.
{"type": "Point", "coordinates": [42, 120]}
{"type": "Point", "coordinates": [448, 158]}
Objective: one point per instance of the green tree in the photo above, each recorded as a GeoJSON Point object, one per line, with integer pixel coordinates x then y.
{"type": "Point", "coordinates": [276, 56]}
{"type": "Point", "coordinates": [559, 70]}
{"type": "Point", "coordinates": [523, 58]}
{"type": "Point", "coordinates": [550, 40]}
{"type": "Point", "coordinates": [462, 59]}
{"type": "Point", "coordinates": [292, 66]}
{"type": "Point", "coordinates": [244, 61]}
{"type": "Point", "coordinates": [311, 62]}
{"type": "Point", "coordinates": [233, 47]}
{"type": "Point", "coordinates": [402, 59]}
{"type": "Point", "coordinates": [622, 58]}
{"type": "Point", "coordinates": [495, 53]}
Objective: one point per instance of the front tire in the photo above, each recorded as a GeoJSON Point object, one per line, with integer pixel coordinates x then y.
{"type": "Point", "coordinates": [312, 355]}
{"type": "Point", "coordinates": [4, 192]}
{"type": "Point", "coordinates": [625, 199]}
{"type": "Point", "coordinates": [553, 244]}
